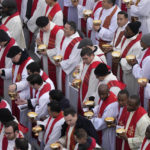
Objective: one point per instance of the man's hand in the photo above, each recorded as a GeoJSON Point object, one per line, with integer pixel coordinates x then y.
{"type": "Point", "coordinates": [38, 41]}
{"type": "Point", "coordinates": [21, 101]}
{"type": "Point", "coordinates": [43, 53]}
{"type": "Point", "coordinates": [12, 88]}
{"type": "Point", "coordinates": [0, 72]}
{"type": "Point", "coordinates": [132, 62]}
{"type": "Point", "coordinates": [96, 27]}
{"type": "Point", "coordinates": [123, 136]}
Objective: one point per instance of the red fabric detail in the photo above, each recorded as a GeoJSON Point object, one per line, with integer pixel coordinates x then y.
{"type": "Point", "coordinates": [59, 117]}
{"type": "Point", "coordinates": [4, 143]}
{"type": "Point", "coordinates": [83, 26]}
{"type": "Point", "coordinates": [72, 140]}
{"type": "Point", "coordinates": [141, 92]}
{"type": "Point", "coordinates": [2, 63]}
{"type": "Point", "coordinates": [46, 88]}
{"type": "Point", "coordinates": [15, 110]}
{"type": "Point", "coordinates": [126, 50]}
{"type": "Point", "coordinates": [3, 27]}
{"type": "Point", "coordinates": [84, 3]}
{"type": "Point", "coordinates": [34, 5]}
{"type": "Point", "coordinates": [136, 117]}
{"type": "Point", "coordinates": [148, 146]}
{"type": "Point", "coordinates": [10, 17]}
{"type": "Point", "coordinates": [44, 76]}
{"type": "Point", "coordinates": [22, 128]}
{"type": "Point", "coordinates": [93, 144]}
{"type": "Point", "coordinates": [111, 99]}
{"type": "Point", "coordinates": [66, 56]}
{"type": "Point", "coordinates": [56, 8]}
{"type": "Point", "coordinates": [19, 2]}
{"type": "Point", "coordinates": [123, 7]}
{"type": "Point", "coordinates": [98, 5]}
{"type": "Point", "coordinates": [65, 12]}
{"type": "Point", "coordinates": [115, 83]}
{"type": "Point", "coordinates": [145, 55]}
{"type": "Point", "coordinates": [89, 33]}
{"type": "Point", "coordinates": [3, 104]}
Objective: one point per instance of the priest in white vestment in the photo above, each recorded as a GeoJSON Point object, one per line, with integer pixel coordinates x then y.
{"type": "Point", "coordinates": [52, 125]}
{"type": "Point", "coordinates": [141, 67]}
{"type": "Point", "coordinates": [101, 111]}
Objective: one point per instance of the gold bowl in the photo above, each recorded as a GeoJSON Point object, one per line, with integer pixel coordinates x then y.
{"type": "Point", "coordinates": [127, 1]}
{"type": "Point", "coordinates": [57, 58]}
{"type": "Point", "coordinates": [36, 129]}
{"type": "Point", "coordinates": [130, 57]}
{"type": "Point", "coordinates": [109, 119]}
{"type": "Point", "coordinates": [120, 131]}
{"type": "Point", "coordinates": [97, 22]}
{"type": "Point", "coordinates": [55, 145]}
{"type": "Point", "coordinates": [88, 114]}
{"type": "Point", "coordinates": [116, 54]}
{"type": "Point", "coordinates": [32, 114]}
{"type": "Point", "coordinates": [106, 45]}
{"type": "Point", "coordinates": [141, 80]}
{"type": "Point", "coordinates": [12, 95]}
{"type": "Point", "coordinates": [89, 103]}
{"type": "Point", "coordinates": [87, 13]}
{"type": "Point", "coordinates": [42, 48]}
{"type": "Point", "coordinates": [75, 74]}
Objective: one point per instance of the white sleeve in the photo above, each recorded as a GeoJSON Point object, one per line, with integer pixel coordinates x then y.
{"type": "Point", "coordinates": [142, 9]}
{"type": "Point", "coordinates": [58, 18]}
{"type": "Point", "coordinates": [139, 72]}
{"type": "Point", "coordinates": [74, 58]}
{"type": "Point", "coordinates": [41, 109]}
{"type": "Point", "coordinates": [147, 91]}
{"type": "Point", "coordinates": [89, 23]}
{"type": "Point", "coordinates": [8, 73]}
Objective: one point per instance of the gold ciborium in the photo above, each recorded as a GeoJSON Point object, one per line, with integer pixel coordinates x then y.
{"type": "Point", "coordinates": [97, 22]}
{"type": "Point", "coordinates": [32, 115]}
{"type": "Point", "coordinates": [36, 130]}
{"type": "Point", "coordinates": [88, 114]}
{"type": "Point", "coordinates": [57, 58]}
{"type": "Point", "coordinates": [41, 48]}
{"type": "Point", "coordinates": [12, 95]}
{"type": "Point", "coordinates": [55, 146]}
{"type": "Point", "coordinates": [76, 83]}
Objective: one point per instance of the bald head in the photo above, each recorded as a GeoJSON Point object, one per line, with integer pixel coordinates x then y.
{"type": "Point", "coordinates": [103, 91]}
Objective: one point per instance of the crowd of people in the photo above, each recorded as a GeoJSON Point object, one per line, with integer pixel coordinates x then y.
{"type": "Point", "coordinates": [89, 89]}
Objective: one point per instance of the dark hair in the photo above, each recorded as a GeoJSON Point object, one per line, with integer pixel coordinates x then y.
{"type": "Point", "coordinates": [112, 1]}
{"type": "Point", "coordinates": [33, 67]}
{"type": "Point", "coordinates": [35, 79]}
{"type": "Point", "coordinates": [54, 106]}
{"type": "Point", "coordinates": [86, 51]}
{"type": "Point", "coordinates": [21, 143]}
{"type": "Point", "coordinates": [136, 98]}
{"type": "Point", "coordinates": [80, 133]}
{"type": "Point", "coordinates": [56, 94]}
{"type": "Point", "coordinates": [12, 124]}
{"type": "Point", "coordinates": [123, 13]}
{"type": "Point", "coordinates": [69, 111]}
{"type": "Point", "coordinates": [124, 92]}
{"type": "Point", "coordinates": [72, 25]}
{"type": "Point", "coordinates": [42, 21]}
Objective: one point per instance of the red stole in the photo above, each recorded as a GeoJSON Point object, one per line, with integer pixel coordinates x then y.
{"type": "Point", "coordinates": [141, 92]}
{"type": "Point", "coordinates": [22, 128]}
{"type": "Point", "coordinates": [85, 84]}
{"type": "Point", "coordinates": [126, 50]}
{"type": "Point", "coordinates": [56, 8]}
{"type": "Point", "coordinates": [111, 99]}
{"type": "Point", "coordinates": [34, 5]}
{"type": "Point", "coordinates": [148, 146]}
{"type": "Point", "coordinates": [72, 140]}
{"type": "Point", "coordinates": [46, 88]}
{"type": "Point", "coordinates": [10, 17]}
{"type": "Point", "coordinates": [3, 104]}
{"type": "Point", "coordinates": [2, 63]}
{"type": "Point", "coordinates": [132, 126]}
{"type": "Point", "coordinates": [66, 56]}
{"type": "Point", "coordinates": [59, 117]}
{"type": "Point", "coordinates": [106, 23]}
{"type": "Point", "coordinates": [51, 45]}
{"type": "Point", "coordinates": [115, 83]}
{"type": "Point", "coordinates": [15, 110]}
{"type": "Point", "coordinates": [3, 27]}
{"type": "Point", "coordinates": [19, 2]}
{"type": "Point", "coordinates": [44, 76]}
